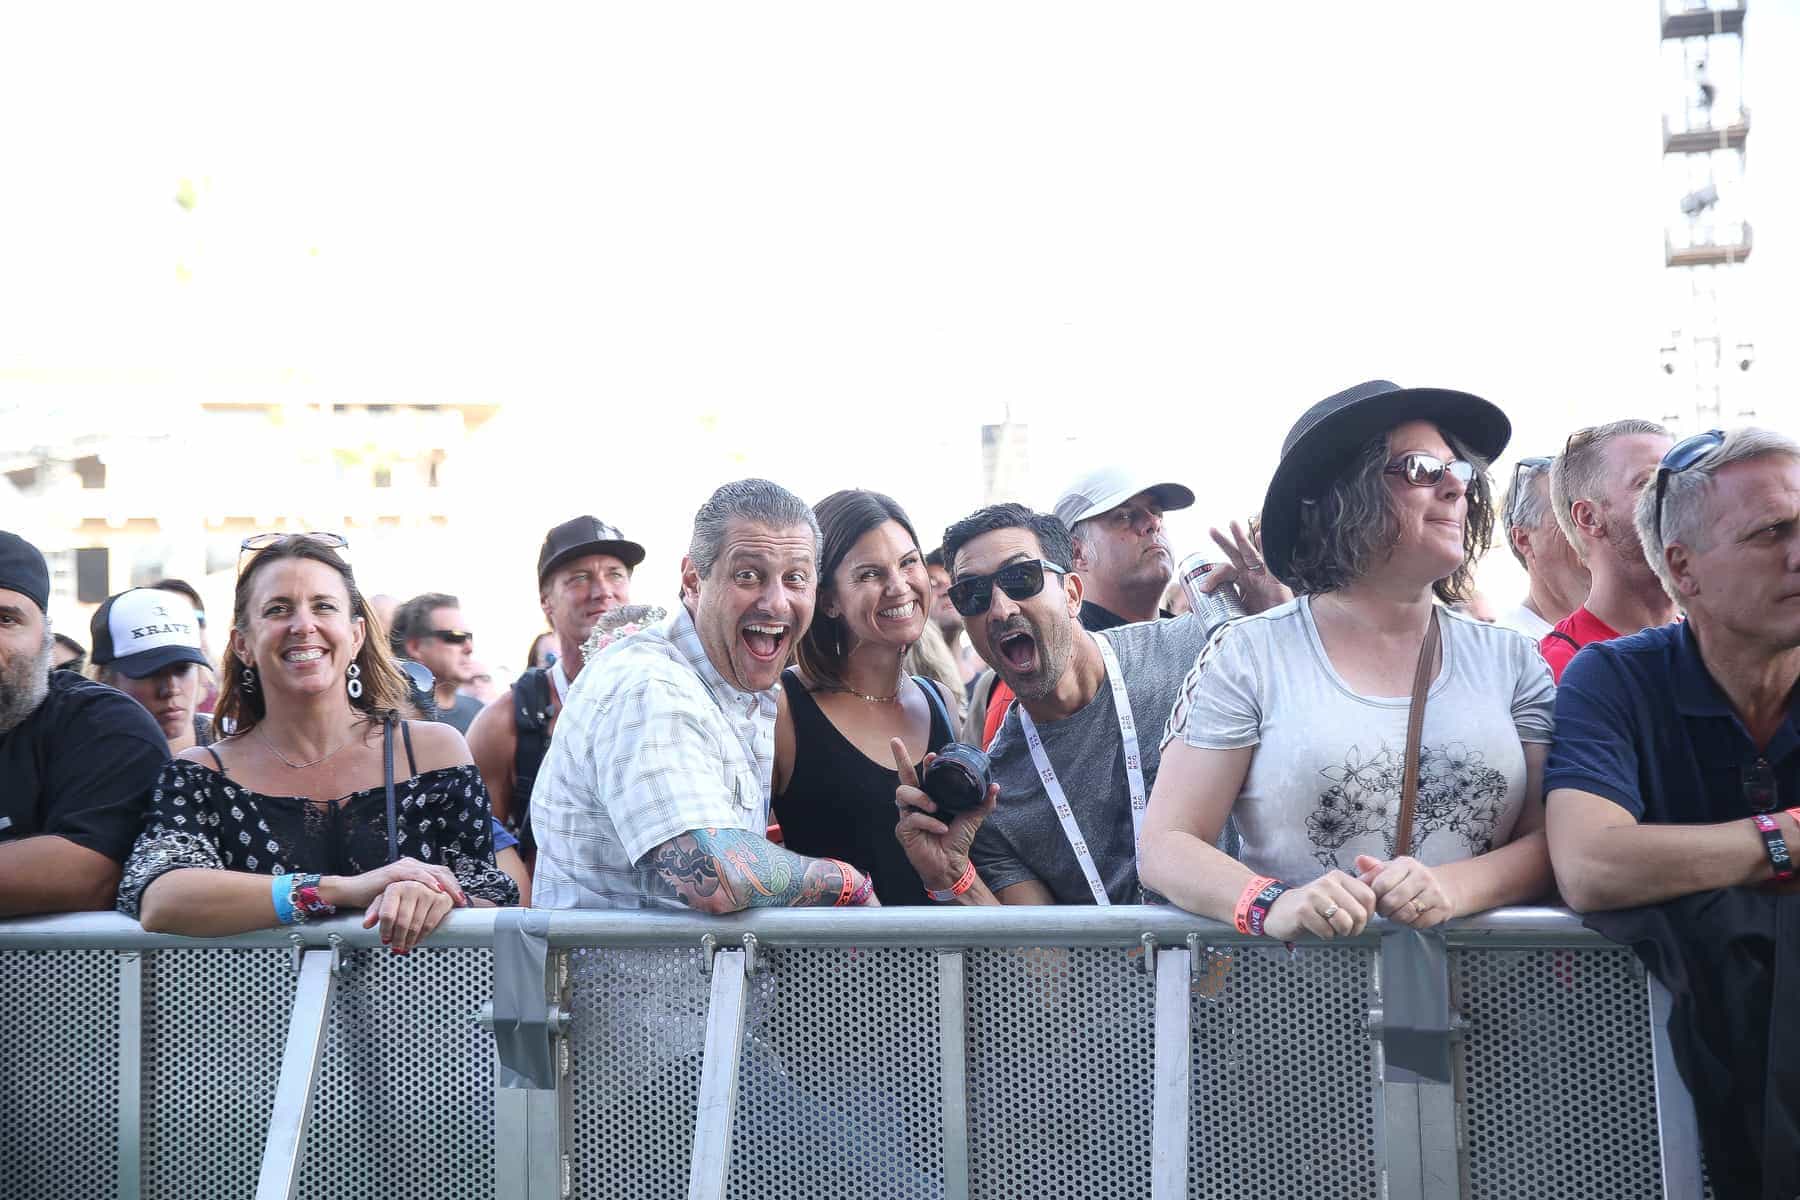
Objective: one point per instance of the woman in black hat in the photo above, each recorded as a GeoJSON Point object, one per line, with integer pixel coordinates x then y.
{"type": "Point", "coordinates": [1295, 722]}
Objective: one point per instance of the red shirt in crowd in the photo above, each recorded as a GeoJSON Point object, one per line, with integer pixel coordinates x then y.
{"type": "Point", "coordinates": [1571, 634]}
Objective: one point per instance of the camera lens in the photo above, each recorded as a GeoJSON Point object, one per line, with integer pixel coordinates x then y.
{"type": "Point", "coordinates": [957, 779]}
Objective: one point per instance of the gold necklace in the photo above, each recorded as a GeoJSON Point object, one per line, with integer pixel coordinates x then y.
{"type": "Point", "coordinates": [257, 730]}
{"type": "Point", "coordinates": [873, 699]}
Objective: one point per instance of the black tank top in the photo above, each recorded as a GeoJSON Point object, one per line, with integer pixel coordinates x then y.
{"type": "Point", "coordinates": [840, 803]}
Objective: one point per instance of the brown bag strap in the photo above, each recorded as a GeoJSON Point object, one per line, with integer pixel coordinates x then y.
{"type": "Point", "coordinates": [1415, 726]}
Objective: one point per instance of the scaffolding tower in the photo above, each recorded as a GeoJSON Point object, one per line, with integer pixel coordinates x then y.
{"type": "Point", "coordinates": [1706, 128]}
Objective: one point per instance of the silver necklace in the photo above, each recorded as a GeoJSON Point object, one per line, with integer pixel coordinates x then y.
{"type": "Point", "coordinates": [260, 736]}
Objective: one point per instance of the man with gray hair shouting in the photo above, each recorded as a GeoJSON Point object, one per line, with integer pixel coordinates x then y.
{"type": "Point", "coordinates": [656, 788]}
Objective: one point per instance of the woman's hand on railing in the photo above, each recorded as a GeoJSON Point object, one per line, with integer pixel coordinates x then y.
{"type": "Point", "coordinates": [407, 910]}
{"type": "Point", "coordinates": [939, 852]}
{"type": "Point", "coordinates": [1407, 891]}
{"type": "Point", "coordinates": [1333, 905]}
{"type": "Point", "coordinates": [359, 891]}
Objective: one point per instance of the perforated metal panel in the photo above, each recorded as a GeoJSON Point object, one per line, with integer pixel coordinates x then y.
{"type": "Point", "coordinates": [214, 1025]}
{"type": "Point", "coordinates": [1060, 1065]}
{"type": "Point", "coordinates": [1558, 1089]}
{"type": "Point", "coordinates": [1284, 1080]}
{"type": "Point", "coordinates": [59, 1076]}
{"type": "Point", "coordinates": [405, 1101]}
{"type": "Point", "coordinates": [639, 1025]}
{"type": "Point", "coordinates": [840, 1092]}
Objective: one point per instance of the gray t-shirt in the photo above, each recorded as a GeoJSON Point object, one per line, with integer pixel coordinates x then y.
{"type": "Point", "coordinates": [1023, 840]}
{"type": "Point", "coordinates": [1324, 783]}
{"type": "Point", "coordinates": [461, 714]}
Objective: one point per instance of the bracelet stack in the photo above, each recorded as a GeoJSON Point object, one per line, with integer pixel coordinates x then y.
{"type": "Point", "coordinates": [857, 887]}
{"type": "Point", "coordinates": [297, 900]}
{"type": "Point", "coordinates": [1775, 843]}
{"type": "Point", "coordinates": [963, 883]}
{"type": "Point", "coordinates": [1254, 902]}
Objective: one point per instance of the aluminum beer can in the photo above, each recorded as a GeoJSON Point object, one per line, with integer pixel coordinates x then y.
{"type": "Point", "coordinates": [1221, 605]}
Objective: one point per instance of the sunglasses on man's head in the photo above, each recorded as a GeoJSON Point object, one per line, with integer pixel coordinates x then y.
{"type": "Point", "coordinates": [972, 594]}
{"type": "Point", "coordinates": [1514, 494]}
{"type": "Point", "coordinates": [1682, 456]}
{"type": "Point", "coordinates": [1427, 470]}
{"type": "Point", "coordinates": [456, 637]}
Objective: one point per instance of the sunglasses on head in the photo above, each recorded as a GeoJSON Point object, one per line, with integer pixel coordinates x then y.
{"type": "Point", "coordinates": [456, 637]}
{"type": "Point", "coordinates": [1020, 580]}
{"type": "Point", "coordinates": [258, 542]}
{"type": "Point", "coordinates": [1427, 470]}
{"type": "Point", "coordinates": [1682, 456]}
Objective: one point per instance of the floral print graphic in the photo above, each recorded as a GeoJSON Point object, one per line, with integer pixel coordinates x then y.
{"type": "Point", "coordinates": [1459, 796]}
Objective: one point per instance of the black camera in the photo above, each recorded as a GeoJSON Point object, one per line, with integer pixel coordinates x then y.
{"type": "Point", "coordinates": [957, 780]}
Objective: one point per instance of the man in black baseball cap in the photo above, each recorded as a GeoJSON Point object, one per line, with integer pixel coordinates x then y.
{"type": "Point", "coordinates": [584, 569]}
{"type": "Point", "coordinates": [77, 759]}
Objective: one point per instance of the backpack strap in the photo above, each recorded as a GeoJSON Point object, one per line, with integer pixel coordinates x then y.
{"type": "Point", "coordinates": [1557, 633]}
{"type": "Point", "coordinates": [936, 700]}
{"type": "Point", "coordinates": [534, 705]}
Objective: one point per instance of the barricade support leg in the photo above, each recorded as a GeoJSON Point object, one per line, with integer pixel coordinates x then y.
{"type": "Point", "coordinates": [530, 1020]}
{"type": "Point", "coordinates": [1173, 1078]}
{"type": "Point", "coordinates": [1677, 1131]}
{"type": "Point", "coordinates": [131, 1075]}
{"type": "Point", "coordinates": [307, 1024]}
{"type": "Point", "coordinates": [717, 1106]}
{"type": "Point", "coordinates": [1414, 1030]}
{"type": "Point", "coordinates": [953, 1054]}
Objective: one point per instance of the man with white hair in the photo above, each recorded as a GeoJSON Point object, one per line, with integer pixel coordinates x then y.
{"type": "Point", "coordinates": [1678, 747]}
{"type": "Point", "coordinates": [1557, 580]}
{"type": "Point", "coordinates": [77, 759]}
{"type": "Point", "coordinates": [1115, 520]}
{"type": "Point", "coordinates": [1595, 484]}
{"type": "Point", "coordinates": [1672, 784]}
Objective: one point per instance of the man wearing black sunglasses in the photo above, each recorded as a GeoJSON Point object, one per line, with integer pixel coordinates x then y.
{"type": "Point", "coordinates": [430, 629]}
{"type": "Point", "coordinates": [1077, 752]}
{"type": "Point", "coordinates": [1673, 783]}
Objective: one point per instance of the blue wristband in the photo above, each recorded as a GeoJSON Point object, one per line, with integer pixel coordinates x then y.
{"type": "Point", "coordinates": [281, 891]}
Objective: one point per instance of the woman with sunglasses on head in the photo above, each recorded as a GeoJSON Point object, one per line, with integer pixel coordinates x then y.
{"type": "Point", "coordinates": [1296, 723]}
{"type": "Point", "coordinates": [290, 817]}
{"type": "Point", "coordinates": [849, 695]}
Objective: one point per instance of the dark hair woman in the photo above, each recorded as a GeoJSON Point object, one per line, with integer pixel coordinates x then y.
{"type": "Point", "coordinates": [289, 816]}
{"type": "Point", "coordinates": [1295, 722]}
{"type": "Point", "coordinates": [848, 696]}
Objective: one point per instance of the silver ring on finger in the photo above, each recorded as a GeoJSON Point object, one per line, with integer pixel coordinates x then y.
{"type": "Point", "coordinates": [1330, 911]}
{"type": "Point", "coordinates": [1255, 568]}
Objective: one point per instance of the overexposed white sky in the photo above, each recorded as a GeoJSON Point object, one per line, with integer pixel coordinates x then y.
{"type": "Point", "coordinates": [847, 234]}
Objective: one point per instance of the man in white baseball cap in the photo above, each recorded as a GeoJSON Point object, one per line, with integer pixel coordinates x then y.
{"type": "Point", "coordinates": [1114, 515]}
{"type": "Point", "coordinates": [147, 644]}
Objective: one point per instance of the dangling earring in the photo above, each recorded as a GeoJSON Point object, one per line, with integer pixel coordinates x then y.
{"type": "Point", "coordinates": [247, 682]}
{"type": "Point", "coordinates": [354, 681]}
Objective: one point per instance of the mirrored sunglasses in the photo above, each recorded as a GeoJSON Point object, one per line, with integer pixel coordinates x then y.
{"type": "Point", "coordinates": [1427, 470]}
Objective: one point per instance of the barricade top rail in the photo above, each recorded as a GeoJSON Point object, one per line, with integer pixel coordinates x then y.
{"type": "Point", "coordinates": [1006, 925]}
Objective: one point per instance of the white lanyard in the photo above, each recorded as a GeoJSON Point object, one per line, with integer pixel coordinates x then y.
{"type": "Point", "coordinates": [561, 683]}
{"type": "Point", "coordinates": [1134, 774]}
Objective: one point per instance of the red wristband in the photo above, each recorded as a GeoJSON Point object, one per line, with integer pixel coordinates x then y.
{"type": "Point", "coordinates": [852, 881]}
{"type": "Point", "coordinates": [963, 883]}
{"type": "Point", "coordinates": [1254, 902]}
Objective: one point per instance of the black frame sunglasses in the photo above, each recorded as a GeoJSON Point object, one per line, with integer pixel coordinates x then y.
{"type": "Point", "coordinates": [1682, 456]}
{"type": "Point", "coordinates": [258, 542]}
{"type": "Point", "coordinates": [454, 637]}
{"type": "Point", "coordinates": [1427, 470]}
{"type": "Point", "coordinates": [973, 594]}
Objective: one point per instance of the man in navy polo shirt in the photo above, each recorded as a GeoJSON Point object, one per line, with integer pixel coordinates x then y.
{"type": "Point", "coordinates": [1676, 762]}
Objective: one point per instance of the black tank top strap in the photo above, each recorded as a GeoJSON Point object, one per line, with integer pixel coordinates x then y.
{"type": "Point", "coordinates": [412, 767]}
{"type": "Point", "coordinates": [802, 707]}
{"type": "Point", "coordinates": [217, 761]}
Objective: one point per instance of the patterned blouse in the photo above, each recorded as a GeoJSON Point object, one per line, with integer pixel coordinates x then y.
{"type": "Point", "coordinates": [198, 817]}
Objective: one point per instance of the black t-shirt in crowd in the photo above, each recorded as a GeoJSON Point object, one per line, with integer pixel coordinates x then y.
{"type": "Point", "coordinates": [81, 767]}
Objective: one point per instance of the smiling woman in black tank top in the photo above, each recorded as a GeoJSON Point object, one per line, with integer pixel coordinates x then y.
{"type": "Point", "coordinates": [849, 695]}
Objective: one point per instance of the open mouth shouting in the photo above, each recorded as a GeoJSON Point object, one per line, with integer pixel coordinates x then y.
{"type": "Point", "coordinates": [767, 641]}
{"type": "Point", "coordinates": [1018, 651]}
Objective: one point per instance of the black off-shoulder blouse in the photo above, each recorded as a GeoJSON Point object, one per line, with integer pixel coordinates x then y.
{"type": "Point", "coordinates": [198, 817]}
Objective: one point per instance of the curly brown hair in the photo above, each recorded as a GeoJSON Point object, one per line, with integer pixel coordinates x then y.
{"type": "Point", "coordinates": [1349, 527]}
{"type": "Point", "coordinates": [386, 693]}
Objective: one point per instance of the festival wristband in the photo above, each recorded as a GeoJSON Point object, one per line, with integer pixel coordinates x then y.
{"type": "Point", "coordinates": [280, 891]}
{"type": "Point", "coordinates": [1254, 903]}
{"type": "Point", "coordinates": [847, 889]}
{"type": "Point", "coordinates": [860, 896]}
{"type": "Point", "coordinates": [1775, 844]}
{"type": "Point", "coordinates": [963, 884]}
{"type": "Point", "coordinates": [306, 899]}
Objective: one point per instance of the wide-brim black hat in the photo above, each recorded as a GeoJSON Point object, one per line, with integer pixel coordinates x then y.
{"type": "Point", "coordinates": [1330, 433]}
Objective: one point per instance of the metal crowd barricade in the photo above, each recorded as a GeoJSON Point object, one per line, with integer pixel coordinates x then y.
{"type": "Point", "coordinates": [1017, 1052]}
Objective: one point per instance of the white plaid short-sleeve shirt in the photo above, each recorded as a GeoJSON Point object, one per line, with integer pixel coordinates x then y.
{"type": "Point", "coordinates": [651, 743]}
